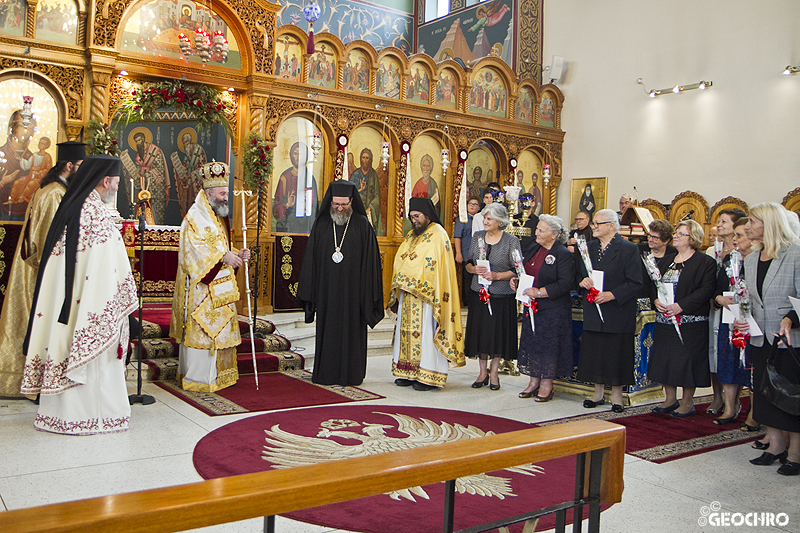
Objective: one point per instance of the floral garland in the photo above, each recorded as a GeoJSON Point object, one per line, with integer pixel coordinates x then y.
{"type": "Point", "coordinates": [206, 104]}
{"type": "Point", "coordinates": [101, 138]}
{"type": "Point", "coordinates": [257, 161]}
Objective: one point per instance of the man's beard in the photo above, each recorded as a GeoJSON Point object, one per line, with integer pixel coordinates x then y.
{"type": "Point", "coordinates": [108, 197]}
{"type": "Point", "coordinates": [219, 207]}
{"type": "Point", "coordinates": [420, 227]}
{"type": "Point", "coordinates": [340, 219]}
{"type": "Point", "coordinates": [140, 149]}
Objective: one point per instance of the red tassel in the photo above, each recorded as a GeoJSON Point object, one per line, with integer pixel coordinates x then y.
{"type": "Point", "coordinates": [310, 48]}
{"type": "Point", "coordinates": [739, 339]}
{"type": "Point", "coordinates": [483, 294]}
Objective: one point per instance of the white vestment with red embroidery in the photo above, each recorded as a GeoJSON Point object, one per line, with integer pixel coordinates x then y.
{"type": "Point", "coordinates": [77, 367]}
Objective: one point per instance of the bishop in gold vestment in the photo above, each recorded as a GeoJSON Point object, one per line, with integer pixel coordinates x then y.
{"type": "Point", "coordinates": [204, 317]}
{"type": "Point", "coordinates": [25, 266]}
{"type": "Point", "coordinates": [428, 337]}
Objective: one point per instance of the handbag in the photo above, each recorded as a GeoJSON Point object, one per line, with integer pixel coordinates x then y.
{"type": "Point", "coordinates": [774, 386]}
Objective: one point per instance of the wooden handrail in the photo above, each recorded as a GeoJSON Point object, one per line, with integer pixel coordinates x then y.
{"type": "Point", "coordinates": [230, 499]}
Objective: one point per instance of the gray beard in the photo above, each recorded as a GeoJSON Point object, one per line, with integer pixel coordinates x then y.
{"type": "Point", "coordinates": [108, 198]}
{"type": "Point", "coordinates": [220, 208]}
{"type": "Point", "coordinates": [340, 219]}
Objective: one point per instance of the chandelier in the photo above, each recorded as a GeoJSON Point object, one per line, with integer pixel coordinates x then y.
{"type": "Point", "coordinates": [207, 46]}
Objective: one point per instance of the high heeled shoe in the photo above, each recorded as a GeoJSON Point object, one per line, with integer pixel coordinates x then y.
{"type": "Point", "coordinates": [789, 469]}
{"type": "Point", "coordinates": [767, 458]}
{"type": "Point", "coordinates": [478, 384]}
{"type": "Point", "coordinates": [710, 411]}
{"type": "Point", "coordinates": [492, 386]}
{"type": "Point", "coordinates": [728, 420]}
{"type": "Point", "coordinates": [542, 399]}
{"type": "Point", "coordinates": [758, 445]}
{"type": "Point", "coordinates": [530, 394]}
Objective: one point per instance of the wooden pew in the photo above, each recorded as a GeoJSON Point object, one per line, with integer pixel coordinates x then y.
{"type": "Point", "coordinates": [274, 492]}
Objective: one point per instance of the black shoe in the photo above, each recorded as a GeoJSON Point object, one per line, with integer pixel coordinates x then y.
{"type": "Point", "coordinates": [666, 410]}
{"type": "Point", "coordinates": [726, 421]}
{"type": "Point", "coordinates": [750, 429]}
{"type": "Point", "coordinates": [758, 445]}
{"type": "Point", "coordinates": [767, 458]}
{"type": "Point", "coordinates": [492, 386]}
{"type": "Point", "coordinates": [479, 384]}
{"type": "Point", "coordinates": [423, 387]}
{"type": "Point", "coordinates": [530, 394]}
{"type": "Point", "coordinates": [401, 382]}
{"type": "Point", "coordinates": [789, 469]}
{"type": "Point", "coordinates": [691, 412]}
{"type": "Point", "coordinates": [617, 408]}
{"type": "Point", "coordinates": [590, 404]}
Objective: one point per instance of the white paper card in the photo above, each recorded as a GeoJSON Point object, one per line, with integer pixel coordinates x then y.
{"type": "Point", "coordinates": [795, 304]}
{"type": "Point", "coordinates": [670, 295]}
{"type": "Point", "coordinates": [727, 314]}
{"type": "Point", "coordinates": [483, 263]}
{"type": "Point", "coordinates": [597, 279]}
{"type": "Point", "coordinates": [755, 331]}
{"type": "Point", "coordinates": [525, 282]}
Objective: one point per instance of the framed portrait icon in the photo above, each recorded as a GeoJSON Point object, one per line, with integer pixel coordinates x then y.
{"type": "Point", "coordinates": [588, 195]}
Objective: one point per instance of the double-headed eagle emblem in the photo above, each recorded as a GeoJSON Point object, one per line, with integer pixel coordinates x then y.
{"type": "Point", "coordinates": [285, 450]}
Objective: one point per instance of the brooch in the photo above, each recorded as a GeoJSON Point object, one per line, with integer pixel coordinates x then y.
{"type": "Point", "coordinates": [550, 259]}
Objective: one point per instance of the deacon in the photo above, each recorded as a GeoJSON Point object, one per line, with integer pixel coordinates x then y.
{"type": "Point", "coordinates": [428, 336]}
{"type": "Point", "coordinates": [204, 317]}
{"type": "Point", "coordinates": [78, 328]}
{"type": "Point", "coordinates": [25, 267]}
{"type": "Point", "coordinates": [341, 281]}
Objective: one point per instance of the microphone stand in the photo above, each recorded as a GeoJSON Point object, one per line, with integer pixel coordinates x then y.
{"type": "Point", "coordinates": [144, 399]}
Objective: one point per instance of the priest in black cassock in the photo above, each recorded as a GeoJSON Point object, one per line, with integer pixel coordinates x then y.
{"type": "Point", "coordinates": [341, 281]}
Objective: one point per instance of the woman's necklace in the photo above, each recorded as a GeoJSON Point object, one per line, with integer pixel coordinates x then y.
{"type": "Point", "coordinates": [337, 255]}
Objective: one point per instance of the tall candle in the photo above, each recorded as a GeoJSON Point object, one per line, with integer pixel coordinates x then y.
{"type": "Point", "coordinates": [131, 190]}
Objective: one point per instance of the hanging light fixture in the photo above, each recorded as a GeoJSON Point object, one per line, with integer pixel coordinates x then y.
{"type": "Point", "coordinates": [27, 99]}
{"type": "Point", "coordinates": [384, 145]}
{"type": "Point", "coordinates": [316, 136]}
{"type": "Point", "coordinates": [205, 47]}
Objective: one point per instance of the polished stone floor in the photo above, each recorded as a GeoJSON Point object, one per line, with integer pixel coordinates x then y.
{"type": "Point", "coordinates": [39, 468]}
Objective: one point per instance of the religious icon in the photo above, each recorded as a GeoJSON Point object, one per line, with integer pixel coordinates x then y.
{"type": "Point", "coordinates": [146, 172]}
{"type": "Point", "coordinates": [187, 169]}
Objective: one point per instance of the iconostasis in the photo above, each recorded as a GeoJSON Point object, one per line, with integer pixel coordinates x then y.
{"type": "Point", "coordinates": [394, 123]}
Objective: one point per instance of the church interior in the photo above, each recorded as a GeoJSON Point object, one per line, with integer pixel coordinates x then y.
{"type": "Point", "coordinates": [404, 98]}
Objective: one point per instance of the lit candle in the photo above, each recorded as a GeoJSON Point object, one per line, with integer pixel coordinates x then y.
{"type": "Point", "coordinates": [131, 190]}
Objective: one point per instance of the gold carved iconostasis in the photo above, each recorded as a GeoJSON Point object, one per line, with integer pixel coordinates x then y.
{"type": "Point", "coordinates": [379, 118]}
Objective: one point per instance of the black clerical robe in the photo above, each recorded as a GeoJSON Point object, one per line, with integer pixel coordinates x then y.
{"type": "Point", "coordinates": [346, 297]}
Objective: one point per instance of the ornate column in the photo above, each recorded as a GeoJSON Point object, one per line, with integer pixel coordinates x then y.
{"type": "Point", "coordinates": [82, 18]}
{"type": "Point", "coordinates": [257, 104]}
{"type": "Point", "coordinates": [30, 19]}
{"type": "Point", "coordinates": [99, 102]}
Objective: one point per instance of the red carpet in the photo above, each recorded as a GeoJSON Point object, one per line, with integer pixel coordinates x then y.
{"type": "Point", "coordinates": [277, 390]}
{"type": "Point", "coordinates": [662, 438]}
{"type": "Point", "coordinates": [241, 447]}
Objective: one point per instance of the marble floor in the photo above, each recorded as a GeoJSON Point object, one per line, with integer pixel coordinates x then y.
{"type": "Point", "coordinates": [39, 468]}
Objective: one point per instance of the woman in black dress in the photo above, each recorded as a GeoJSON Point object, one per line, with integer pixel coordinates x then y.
{"type": "Point", "coordinates": [546, 353]}
{"type": "Point", "coordinates": [492, 335]}
{"type": "Point", "coordinates": [607, 343]}
{"type": "Point", "coordinates": [675, 363]}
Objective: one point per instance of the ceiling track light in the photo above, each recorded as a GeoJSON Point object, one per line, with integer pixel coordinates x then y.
{"type": "Point", "coordinates": [789, 70]}
{"type": "Point", "coordinates": [702, 85]}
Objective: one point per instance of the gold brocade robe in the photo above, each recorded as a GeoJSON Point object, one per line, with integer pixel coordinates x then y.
{"type": "Point", "coordinates": [204, 315]}
{"type": "Point", "coordinates": [22, 282]}
{"type": "Point", "coordinates": [424, 267]}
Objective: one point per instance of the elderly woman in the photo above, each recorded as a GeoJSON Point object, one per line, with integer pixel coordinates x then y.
{"type": "Point", "coordinates": [492, 335]}
{"type": "Point", "coordinates": [772, 275]}
{"type": "Point", "coordinates": [731, 373]}
{"type": "Point", "coordinates": [683, 361]}
{"type": "Point", "coordinates": [547, 353]}
{"type": "Point", "coordinates": [724, 236]}
{"type": "Point", "coordinates": [607, 347]}
{"type": "Point", "coordinates": [658, 244]}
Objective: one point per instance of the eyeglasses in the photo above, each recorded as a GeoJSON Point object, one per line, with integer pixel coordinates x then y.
{"type": "Point", "coordinates": [416, 217]}
{"type": "Point", "coordinates": [680, 234]}
{"type": "Point", "coordinates": [581, 219]}
{"type": "Point", "coordinates": [654, 237]}
{"type": "Point", "coordinates": [337, 204]}
{"type": "Point", "coordinates": [473, 204]}
{"type": "Point", "coordinates": [595, 223]}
